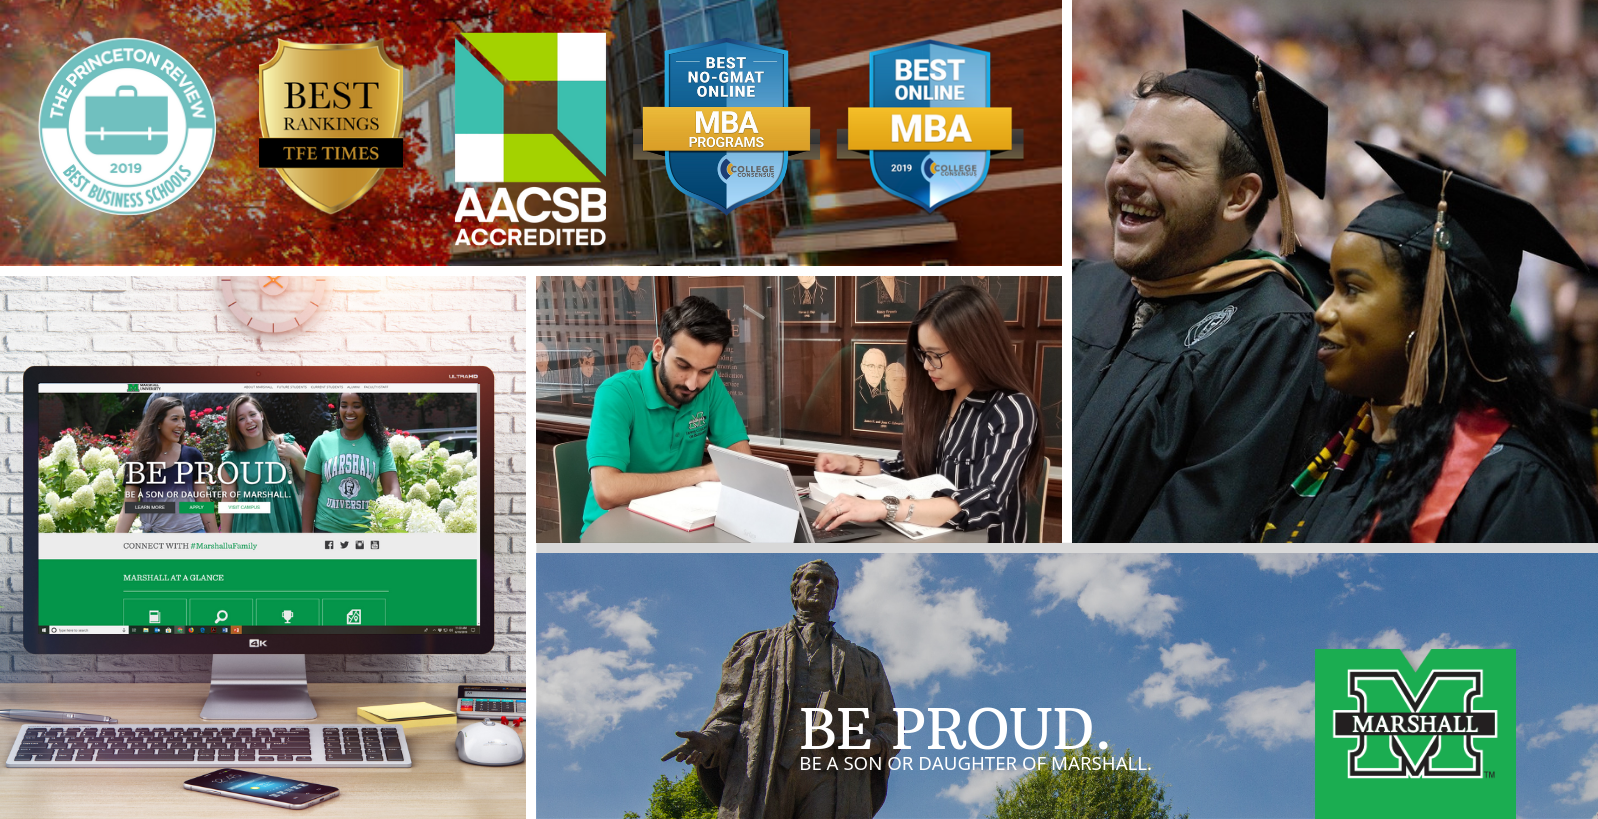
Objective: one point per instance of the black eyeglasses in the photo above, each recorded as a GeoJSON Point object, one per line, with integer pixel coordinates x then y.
{"type": "Point", "coordinates": [937, 358]}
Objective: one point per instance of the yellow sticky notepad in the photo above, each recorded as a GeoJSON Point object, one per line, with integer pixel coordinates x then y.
{"type": "Point", "coordinates": [409, 713]}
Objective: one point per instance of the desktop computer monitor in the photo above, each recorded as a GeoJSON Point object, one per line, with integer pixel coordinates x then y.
{"type": "Point", "coordinates": [259, 514]}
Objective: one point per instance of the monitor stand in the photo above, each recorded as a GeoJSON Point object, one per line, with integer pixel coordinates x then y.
{"type": "Point", "coordinates": [258, 686]}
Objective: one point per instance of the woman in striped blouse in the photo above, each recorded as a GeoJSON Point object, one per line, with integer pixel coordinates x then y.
{"type": "Point", "coordinates": [968, 415]}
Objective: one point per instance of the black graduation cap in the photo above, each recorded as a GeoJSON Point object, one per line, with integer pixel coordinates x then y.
{"type": "Point", "coordinates": [1221, 74]}
{"type": "Point", "coordinates": [1487, 228]}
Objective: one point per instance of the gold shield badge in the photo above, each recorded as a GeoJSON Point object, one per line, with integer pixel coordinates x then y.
{"type": "Point", "coordinates": [330, 119]}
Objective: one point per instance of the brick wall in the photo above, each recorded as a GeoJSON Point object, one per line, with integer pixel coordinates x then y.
{"type": "Point", "coordinates": [154, 319]}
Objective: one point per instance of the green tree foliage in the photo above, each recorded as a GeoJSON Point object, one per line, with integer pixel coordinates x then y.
{"type": "Point", "coordinates": [683, 799]}
{"type": "Point", "coordinates": [1081, 792]}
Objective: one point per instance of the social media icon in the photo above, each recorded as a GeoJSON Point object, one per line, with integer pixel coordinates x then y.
{"type": "Point", "coordinates": [360, 544]}
{"type": "Point", "coordinates": [343, 544]}
{"type": "Point", "coordinates": [374, 544]}
{"type": "Point", "coordinates": [327, 544]}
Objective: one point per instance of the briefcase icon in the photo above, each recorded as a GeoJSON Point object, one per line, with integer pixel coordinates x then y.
{"type": "Point", "coordinates": [126, 124]}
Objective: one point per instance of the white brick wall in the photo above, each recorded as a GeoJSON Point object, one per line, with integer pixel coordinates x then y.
{"type": "Point", "coordinates": [157, 319]}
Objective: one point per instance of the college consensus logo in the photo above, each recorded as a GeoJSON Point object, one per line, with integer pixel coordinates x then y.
{"type": "Point", "coordinates": [1391, 738]}
{"type": "Point", "coordinates": [127, 126]}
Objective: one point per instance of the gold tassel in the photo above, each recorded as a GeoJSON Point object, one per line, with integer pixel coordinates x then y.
{"type": "Point", "coordinates": [1289, 237]}
{"type": "Point", "coordinates": [1431, 307]}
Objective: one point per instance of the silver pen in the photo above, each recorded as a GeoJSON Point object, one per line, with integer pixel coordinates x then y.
{"type": "Point", "coordinates": [25, 715]}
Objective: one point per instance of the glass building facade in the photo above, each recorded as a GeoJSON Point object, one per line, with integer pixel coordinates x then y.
{"type": "Point", "coordinates": [682, 230]}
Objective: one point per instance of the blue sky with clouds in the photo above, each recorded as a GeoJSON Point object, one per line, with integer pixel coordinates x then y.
{"type": "Point", "coordinates": [1201, 664]}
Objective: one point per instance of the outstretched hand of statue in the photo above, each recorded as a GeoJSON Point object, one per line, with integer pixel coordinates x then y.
{"type": "Point", "coordinates": [697, 748]}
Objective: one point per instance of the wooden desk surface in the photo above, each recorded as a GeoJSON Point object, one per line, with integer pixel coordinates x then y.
{"type": "Point", "coordinates": [437, 785]}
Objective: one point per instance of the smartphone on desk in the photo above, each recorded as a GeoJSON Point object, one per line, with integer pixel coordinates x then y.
{"type": "Point", "coordinates": [268, 790]}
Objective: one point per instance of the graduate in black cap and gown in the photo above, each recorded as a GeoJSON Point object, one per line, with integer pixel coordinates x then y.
{"type": "Point", "coordinates": [1449, 430]}
{"type": "Point", "coordinates": [1193, 354]}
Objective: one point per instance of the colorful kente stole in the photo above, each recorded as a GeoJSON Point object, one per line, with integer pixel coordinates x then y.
{"type": "Point", "coordinates": [1344, 444]}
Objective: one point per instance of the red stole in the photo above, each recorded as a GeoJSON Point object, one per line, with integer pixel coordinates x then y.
{"type": "Point", "coordinates": [1475, 433]}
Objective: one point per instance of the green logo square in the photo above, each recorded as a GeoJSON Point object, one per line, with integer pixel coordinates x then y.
{"type": "Point", "coordinates": [1395, 741]}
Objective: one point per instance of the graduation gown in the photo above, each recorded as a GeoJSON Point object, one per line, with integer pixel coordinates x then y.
{"type": "Point", "coordinates": [1185, 430]}
{"type": "Point", "coordinates": [1513, 496]}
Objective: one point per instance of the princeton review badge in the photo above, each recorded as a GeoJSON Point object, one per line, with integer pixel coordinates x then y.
{"type": "Point", "coordinates": [127, 126]}
{"type": "Point", "coordinates": [330, 119]}
{"type": "Point", "coordinates": [1395, 741]}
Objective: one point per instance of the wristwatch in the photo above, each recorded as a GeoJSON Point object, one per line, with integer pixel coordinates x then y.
{"type": "Point", "coordinates": [893, 507]}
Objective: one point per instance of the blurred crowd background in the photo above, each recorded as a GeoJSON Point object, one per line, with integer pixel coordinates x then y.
{"type": "Point", "coordinates": [1506, 90]}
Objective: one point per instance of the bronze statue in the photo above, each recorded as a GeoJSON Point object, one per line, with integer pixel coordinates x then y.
{"type": "Point", "coordinates": [750, 761]}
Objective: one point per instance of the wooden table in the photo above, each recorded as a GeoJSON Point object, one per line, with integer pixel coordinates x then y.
{"type": "Point", "coordinates": [436, 786]}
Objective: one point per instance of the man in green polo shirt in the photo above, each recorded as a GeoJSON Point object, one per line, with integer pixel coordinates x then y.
{"type": "Point", "coordinates": [649, 427]}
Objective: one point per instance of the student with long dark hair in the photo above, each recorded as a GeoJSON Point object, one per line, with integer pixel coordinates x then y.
{"type": "Point", "coordinates": [1447, 429]}
{"type": "Point", "coordinates": [262, 467]}
{"type": "Point", "coordinates": [347, 468]}
{"type": "Point", "coordinates": [159, 453]}
{"type": "Point", "coordinates": [969, 415]}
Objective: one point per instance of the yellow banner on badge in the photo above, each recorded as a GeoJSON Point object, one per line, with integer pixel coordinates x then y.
{"type": "Point", "coordinates": [929, 129]}
{"type": "Point", "coordinates": [726, 129]}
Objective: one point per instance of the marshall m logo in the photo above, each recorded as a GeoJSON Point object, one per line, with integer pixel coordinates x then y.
{"type": "Point", "coordinates": [1399, 736]}
{"type": "Point", "coordinates": [1440, 714]}
{"type": "Point", "coordinates": [257, 644]}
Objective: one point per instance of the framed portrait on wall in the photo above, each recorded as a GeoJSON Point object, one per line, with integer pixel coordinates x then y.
{"type": "Point", "coordinates": [549, 377]}
{"type": "Point", "coordinates": [1053, 301]}
{"type": "Point", "coordinates": [545, 301]}
{"type": "Point", "coordinates": [630, 353]}
{"type": "Point", "coordinates": [1049, 381]}
{"type": "Point", "coordinates": [581, 299]}
{"type": "Point", "coordinates": [809, 299]}
{"type": "Point", "coordinates": [632, 299]}
{"type": "Point", "coordinates": [886, 299]}
{"type": "Point", "coordinates": [586, 353]}
{"type": "Point", "coordinates": [878, 380]}
{"type": "Point", "coordinates": [1005, 290]}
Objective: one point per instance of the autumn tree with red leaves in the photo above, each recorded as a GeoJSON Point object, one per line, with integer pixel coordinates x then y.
{"type": "Point", "coordinates": [238, 213]}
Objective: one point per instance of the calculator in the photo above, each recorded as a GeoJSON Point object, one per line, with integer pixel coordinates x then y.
{"type": "Point", "coordinates": [473, 701]}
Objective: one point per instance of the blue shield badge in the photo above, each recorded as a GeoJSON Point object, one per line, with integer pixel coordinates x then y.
{"type": "Point", "coordinates": [719, 74]}
{"type": "Point", "coordinates": [929, 74]}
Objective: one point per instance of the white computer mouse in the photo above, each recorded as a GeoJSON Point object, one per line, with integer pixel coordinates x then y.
{"type": "Point", "coordinates": [489, 743]}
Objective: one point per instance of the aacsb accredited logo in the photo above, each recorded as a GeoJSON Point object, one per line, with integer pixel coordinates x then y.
{"type": "Point", "coordinates": [127, 126]}
{"type": "Point", "coordinates": [548, 128]}
{"type": "Point", "coordinates": [1395, 741]}
{"type": "Point", "coordinates": [930, 129]}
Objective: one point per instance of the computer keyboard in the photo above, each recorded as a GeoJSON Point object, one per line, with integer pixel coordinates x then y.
{"type": "Point", "coordinates": [210, 746]}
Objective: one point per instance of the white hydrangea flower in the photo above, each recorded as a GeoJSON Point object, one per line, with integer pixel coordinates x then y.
{"type": "Point", "coordinates": [445, 507]}
{"type": "Point", "coordinates": [418, 460]}
{"type": "Point", "coordinates": [417, 492]}
{"type": "Point", "coordinates": [434, 491]}
{"type": "Point", "coordinates": [424, 521]}
{"type": "Point", "coordinates": [452, 476]}
{"type": "Point", "coordinates": [66, 508]}
{"type": "Point", "coordinates": [389, 505]}
{"type": "Point", "coordinates": [404, 446]}
{"type": "Point", "coordinates": [471, 468]}
{"type": "Point", "coordinates": [47, 461]}
{"type": "Point", "coordinates": [66, 450]}
{"type": "Point", "coordinates": [76, 479]}
{"type": "Point", "coordinates": [46, 524]}
{"type": "Point", "coordinates": [84, 497]}
{"type": "Point", "coordinates": [110, 524]}
{"type": "Point", "coordinates": [415, 506]}
{"type": "Point", "coordinates": [104, 483]}
{"type": "Point", "coordinates": [43, 490]}
{"type": "Point", "coordinates": [461, 520]}
{"type": "Point", "coordinates": [467, 486]}
{"type": "Point", "coordinates": [109, 460]}
{"type": "Point", "coordinates": [51, 500]}
{"type": "Point", "coordinates": [91, 460]}
{"type": "Point", "coordinates": [460, 459]}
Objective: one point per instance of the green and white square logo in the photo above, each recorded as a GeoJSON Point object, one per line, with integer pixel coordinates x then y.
{"type": "Point", "coordinates": [1392, 740]}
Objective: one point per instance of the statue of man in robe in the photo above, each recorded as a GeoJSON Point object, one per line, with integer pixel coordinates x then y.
{"type": "Point", "coordinates": [749, 755]}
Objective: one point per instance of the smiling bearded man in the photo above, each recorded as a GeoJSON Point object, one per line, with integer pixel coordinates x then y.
{"type": "Point", "coordinates": [1193, 355]}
